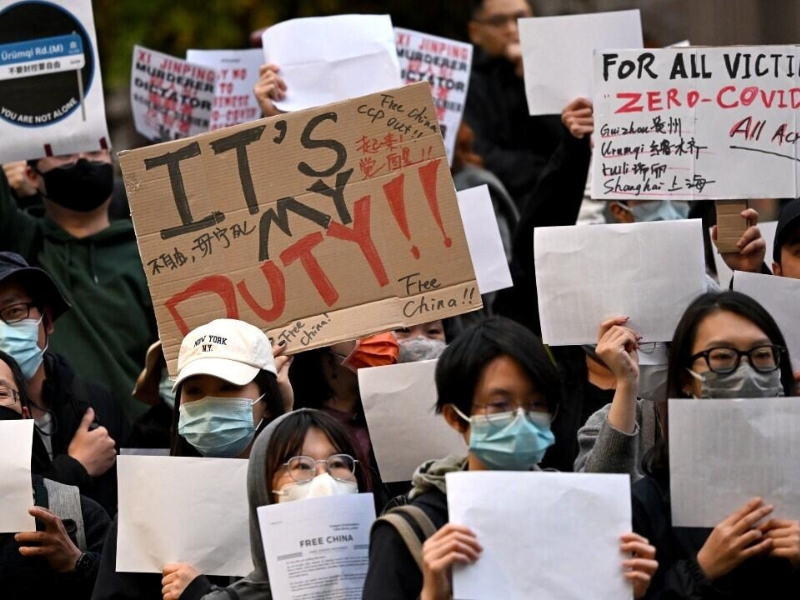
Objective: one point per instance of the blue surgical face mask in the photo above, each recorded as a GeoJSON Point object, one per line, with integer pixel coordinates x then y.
{"type": "Point", "coordinates": [21, 341]}
{"type": "Point", "coordinates": [218, 427]}
{"type": "Point", "coordinates": [165, 389]}
{"type": "Point", "coordinates": [657, 210]}
{"type": "Point", "coordinates": [512, 441]}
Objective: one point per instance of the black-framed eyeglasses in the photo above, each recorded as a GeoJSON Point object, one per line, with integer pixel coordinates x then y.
{"type": "Point", "coordinates": [763, 359]}
{"type": "Point", "coordinates": [503, 20]}
{"type": "Point", "coordinates": [304, 468]}
{"type": "Point", "coordinates": [15, 313]}
{"type": "Point", "coordinates": [8, 397]}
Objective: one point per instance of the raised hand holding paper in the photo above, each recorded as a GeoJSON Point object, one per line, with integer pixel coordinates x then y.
{"type": "Point", "coordinates": [16, 489]}
{"type": "Point", "coordinates": [330, 59]}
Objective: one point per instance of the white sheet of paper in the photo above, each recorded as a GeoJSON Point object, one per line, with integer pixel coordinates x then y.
{"type": "Point", "coordinates": [724, 274]}
{"type": "Point", "coordinates": [319, 547]}
{"type": "Point", "coordinates": [483, 238]}
{"type": "Point", "coordinates": [16, 489]}
{"type": "Point", "coordinates": [781, 297]}
{"type": "Point", "coordinates": [647, 271]}
{"type": "Point", "coordinates": [237, 74]}
{"type": "Point", "coordinates": [180, 509]}
{"type": "Point", "coordinates": [399, 404]}
{"type": "Point", "coordinates": [723, 453]}
{"type": "Point", "coordinates": [544, 535]}
{"type": "Point", "coordinates": [328, 59]}
{"type": "Point", "coordinates": [557, 54]}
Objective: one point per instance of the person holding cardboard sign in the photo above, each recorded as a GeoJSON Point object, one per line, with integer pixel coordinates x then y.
{"type": "Point", "coordinates": [497, 386]}
{"type": "Point", "coordinates": [725, 346]}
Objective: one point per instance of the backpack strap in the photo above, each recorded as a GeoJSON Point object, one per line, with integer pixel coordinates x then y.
{"type": "Point", "coordinates": [399, 519]}
{"type": "Point", "coordinates": [65, 503]}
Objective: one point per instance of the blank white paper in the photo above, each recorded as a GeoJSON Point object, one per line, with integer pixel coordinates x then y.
{"type": "Point", "coordinates": [16, 488]}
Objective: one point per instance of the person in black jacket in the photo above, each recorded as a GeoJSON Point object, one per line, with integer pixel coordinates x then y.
{"type": "Point", "coordinates": [752, 553]}
{"type": "Point", "coordinates": [78, 423]}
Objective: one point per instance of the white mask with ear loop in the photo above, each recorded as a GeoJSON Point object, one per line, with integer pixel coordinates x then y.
{"type": "Point", "coordinates": [321, 485]}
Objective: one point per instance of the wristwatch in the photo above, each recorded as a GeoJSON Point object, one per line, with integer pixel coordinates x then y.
{"type": "Point", "coordinates": [83, 566]}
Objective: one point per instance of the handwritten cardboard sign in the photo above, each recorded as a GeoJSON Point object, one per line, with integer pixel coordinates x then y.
{"type": "Point", "coordinates": [236, 74]}
{"type": "Point", "coordinates": [318, 226]}
{"type": "Point", "coordinates": [171, 98]}
{"type": "Point", "coordinates": [446, 65]}
{"type": "Point", "coordinates": [51, 93]}
{"type": "Point", "coordinates": [696, 123]}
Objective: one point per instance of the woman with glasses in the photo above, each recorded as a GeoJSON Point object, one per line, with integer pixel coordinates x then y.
{"type": "Point", "coordinates": [725, 346]}
{"type": "Point", "coordinates": [498, 388]}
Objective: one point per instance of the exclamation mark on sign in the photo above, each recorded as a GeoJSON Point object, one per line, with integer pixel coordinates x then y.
{"type": "Point", "coordinates": [397, 203]}
{"type": "Point", "coordinates": [428, 176]}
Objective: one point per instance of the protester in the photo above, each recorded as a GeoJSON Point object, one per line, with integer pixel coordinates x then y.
{"type": "Point", "coordinates": [153, 387]}
{"type": "Point", "coordinates": [514, 146]}
{"type": "Point", "coordinates": [425, 341]}
{"type": "Point", "coordinates": [61, 558]}
{"type": "Point", "coordinates": [495, 381]}
{"type": "Point", "coordinates": [786, 249]}
{"type": "Point", "coordinates": [725, 346]}
{"type": "Point", "coordinates": [94, 261]}
{"type": "Point", "coordinates": [79, 425]}
{"type": "Point", "coordinates": [280, 471]}
{"type": "Point", "coordinates": [615, 438]}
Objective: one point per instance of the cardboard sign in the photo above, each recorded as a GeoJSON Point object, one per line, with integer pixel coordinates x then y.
{"type": "Point", "coordinates": [696, 123]}
{"type": "Point", "coordinates": [318, 226]}
{"type": "Point", "coordinates": [51, 93]}
{"type": "Point", "coordinates": [236, 75]}
{"type": "Point", "coordinates": [171, 98]}
{"type": "Point", "coordinates": [446, 65]}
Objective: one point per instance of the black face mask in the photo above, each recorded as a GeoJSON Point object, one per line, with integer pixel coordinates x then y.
{"type": "Point", "coordinates": [82, 187]}
{"type": "Point", "coordinates": [9, 414]}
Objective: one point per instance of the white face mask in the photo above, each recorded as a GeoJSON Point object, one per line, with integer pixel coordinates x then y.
{"type": "Point", "coordinates": [321, 485]}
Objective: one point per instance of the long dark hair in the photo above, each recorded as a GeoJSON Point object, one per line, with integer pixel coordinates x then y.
{"type": "Point", "coordinates": [680, 351]}
{"type": "Point", "coordinates": [267, 385]}
{"type": "Point", "coordinates": [288, 438]}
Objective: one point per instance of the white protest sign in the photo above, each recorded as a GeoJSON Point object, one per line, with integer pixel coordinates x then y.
{"type": "Point", "coordinates": [648, 271]}
{"type": "Point", "coordinates": [568, 524]}
{"type": "Point", "coordinates": [236, 75]}
{"type": "Point", "coordinates": [446, 65]}
{"type": "Point", "coordinates": [330, 59]}
{"type": "Point", "coordinates": [16, 489]}
{"type": "Point", "coordinates": [51, 92]}
{"type": "Point", "coordinates": [557, 54]}
{"type": "Point", "coordinates": [483, 238]}
{"type": "Point", "coordinates": [319, 547]}
{"type": "Point", "coordinates": [723, 453]}
{"type": "Point", "coordinates": [724, 274]}
{"type": "Point", "coordinates": [399, 404]}
{"type": "Point", "coordinates": [781, 297]}
{"type": "Point", "coordinates": [179, 509]}
{"type": "Point", "coordinates": [671, 123]}
{"type": "Point", "coordinates": [171, 98]}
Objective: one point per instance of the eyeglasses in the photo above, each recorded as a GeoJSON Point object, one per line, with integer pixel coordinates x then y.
{"type": "Point", "coordinates": [763, 359]}
{"type": "Point", "coordinates": [501, 20]}
{"type": "Point", "coordinates": [15, 313]}
{"type": "Point", "coordinates": [304, 468]}
{"type": "Point", "coordinates": [8, 397]}
{"type": "Point", "coordinates": [496, 411]}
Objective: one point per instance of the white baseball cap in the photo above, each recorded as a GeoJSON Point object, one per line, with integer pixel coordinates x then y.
{"type": "Point", "coordinates": [226, 348]}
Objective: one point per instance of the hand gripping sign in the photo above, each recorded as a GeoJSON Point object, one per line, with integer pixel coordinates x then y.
{"type": "Point", "coordinates": [318, 226]}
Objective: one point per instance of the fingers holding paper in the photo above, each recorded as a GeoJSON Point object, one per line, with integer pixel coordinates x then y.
{"type": "Point", "coordinates": [639, 569]}
{"type": "Point", "coordinates": [176, 578]}
{"type": "Point", "coordinates": [269, 87]}
{"type": "Point", "coordinates": [617, 346]}
{"type": "Point", "coordinates": [450, 545]}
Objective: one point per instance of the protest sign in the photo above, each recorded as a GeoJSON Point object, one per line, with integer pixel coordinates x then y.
{"type": "Point", "coordinates": [779, 295]}
{"type": "Point", "coordinates": [317, 226]}
{"type": "Point", "coordinates": [51, 93]}
{"type": "Point", "coordinates": [171, 509]}
{"type": "Point", "coordinates": [446, 65]}
{"type": "Point", "coordinates": [648, 271]}
{"type": "Point", "coordinates": [400, 407]}
{"type": "Point", "coordinates": [570, 522]}
{"type": "Point", "coordinates": [236, 75]}
{"type": "Point", "coordinates": [723, 453]}
{"type": "Point", "coordinates": [557, 54]}
{"type": "Point", "coordinates": [171, 98]}
{"type": "Point", "coordinates": [330, 59]}
{"type": "Point", "coordinates": [16, 492]}
{"type": "Point", "coordinates": [317, 548]}
{"type": "Point", "coordinates": [696, 123]}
